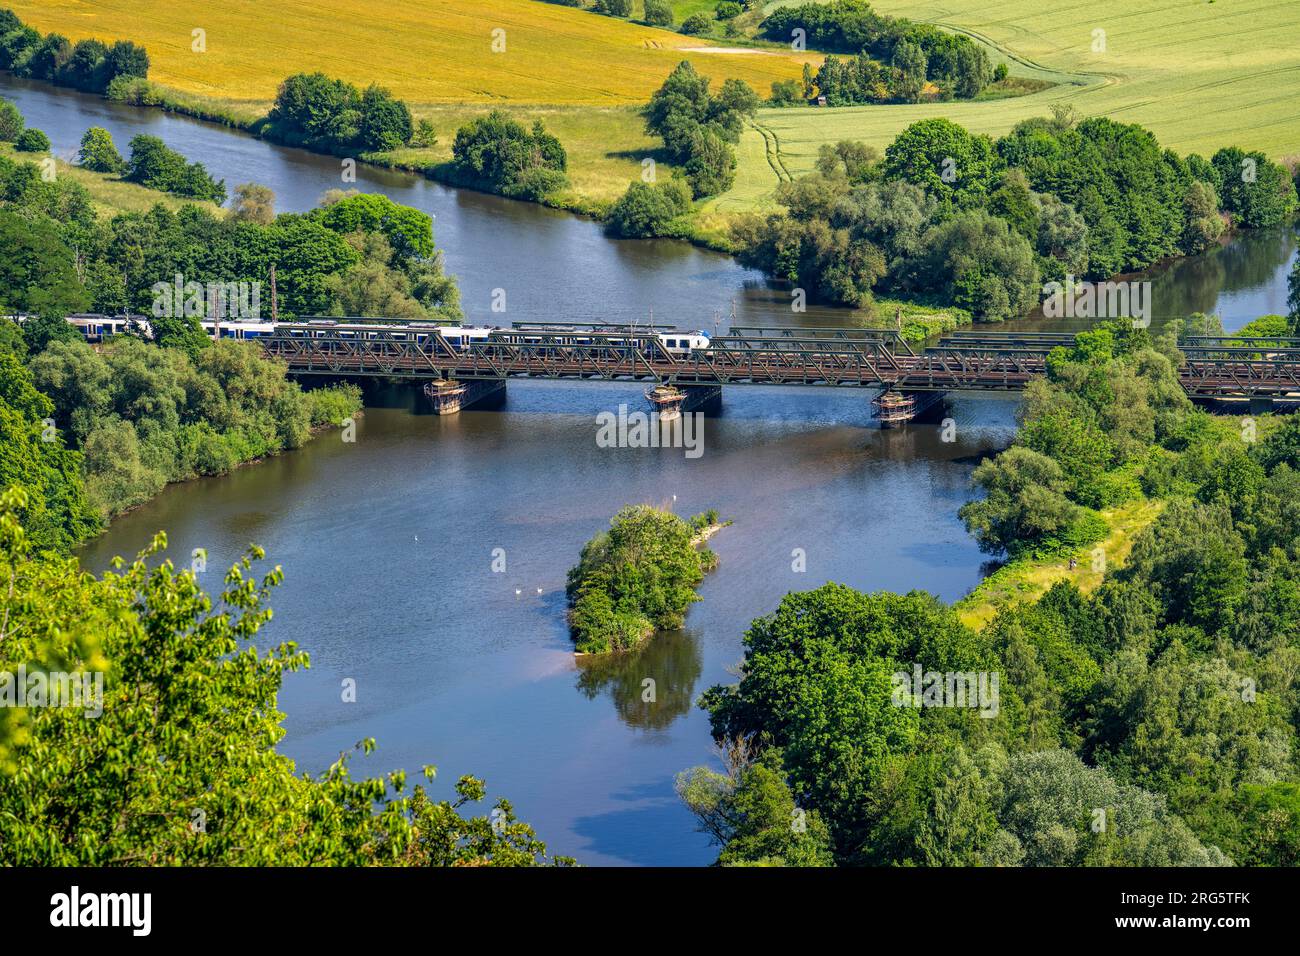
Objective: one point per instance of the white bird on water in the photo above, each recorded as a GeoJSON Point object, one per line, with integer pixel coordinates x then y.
{"type": "Point", "coordinates": [518, 592]}
{"type": "Point", "coordinates": [539, 590]}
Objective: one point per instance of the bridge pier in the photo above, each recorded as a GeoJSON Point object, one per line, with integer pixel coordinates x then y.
{"type": "Point", "coordinates": [448, 397]}
{"type": "Point", "coordinates": [670, 401]}
{"type": "Point", "coordinates": [895, 408]}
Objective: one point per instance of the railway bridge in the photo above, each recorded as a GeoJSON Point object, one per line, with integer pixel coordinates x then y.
{"type": "Point", "coordinates": [1250, 372]}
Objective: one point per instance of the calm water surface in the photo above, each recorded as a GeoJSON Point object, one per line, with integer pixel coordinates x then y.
{"type": "Point", "coordinates": [387, 543]}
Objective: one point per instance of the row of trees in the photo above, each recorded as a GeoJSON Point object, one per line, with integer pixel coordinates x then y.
{"type": "Point", "coordinates": [333, 116]}
{"type": "Point", "coordinates": [354, 255]}
{"type": "Point", "coordinates": [1148, 723]}
{"type": "Point", "coordinates": [979, 223]}
{"type": "Point", "coordinates": [89, 65]}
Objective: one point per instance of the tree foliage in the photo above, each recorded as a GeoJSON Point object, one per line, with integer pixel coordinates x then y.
{"type": "Point", "coordinates": [635, 579]}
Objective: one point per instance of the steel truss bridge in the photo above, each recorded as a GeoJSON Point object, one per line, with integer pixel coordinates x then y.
{"type": "Point", "coordinates": [1214, 366]}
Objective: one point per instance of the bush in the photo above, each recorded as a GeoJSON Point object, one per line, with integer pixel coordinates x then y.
{"type": "Point", "coordinates": [330, 406]}
{"type": "Point", "coordinates": [614, 8]}
{"type": "Point", "coordinates": [728, 10]}
{"type": "Point", "coordinates": [638, 577]}
{"type": "Point", "coordinates": [644, 210]}
{"type": "Point", "coordinates": [658, 13]}
{"type": "Point", "coordinates": [32, 141]}
{"type": "Point", "coordinates": [155, 166]}
{"type": "Point", "coordinates": [11, 122]}
{"type": "Point", "coordinates": [98, 153]}
{"type": "Point", "coordinates": [496, 153]}
{"type": "Point", "coordinates": [319, 113]}
{"type": "Point", "coordinates": [786, 93]}
{"type": "Point", "coordinates": [695, 25]}
{"type": "Point", "coordinates": [1000, 73]}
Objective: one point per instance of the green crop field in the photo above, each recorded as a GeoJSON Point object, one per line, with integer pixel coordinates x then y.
{"type": "Point", "coordinates": [1200, 74]}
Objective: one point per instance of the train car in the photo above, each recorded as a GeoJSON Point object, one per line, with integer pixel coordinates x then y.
{"type": "Point", "coordinates": [460, 337]}
{"type": "Point", "coordinates": [682, 344]}
{"type": "Point", "coordinates": [238, 329]}
{"type": "Point", "coordinates": [95, 328]}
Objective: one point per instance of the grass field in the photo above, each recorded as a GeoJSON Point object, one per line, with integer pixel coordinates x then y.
{"type": "Point", "coordinates": [1027, 581]}
{"type": "Point", "coordinates": [109, 194]}
{"type": "Point", "coordinates": [425, 51]}
{"type": "Point", "coordinates": [1200, 74]}
{"type": "Point", "coordinates": [605, 145]}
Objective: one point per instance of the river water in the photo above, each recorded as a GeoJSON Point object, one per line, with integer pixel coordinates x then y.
{"type": "Point", "coordinates": [388, 543]}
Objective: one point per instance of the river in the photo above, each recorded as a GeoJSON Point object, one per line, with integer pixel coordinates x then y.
{"type": "Point", "coordinates": [388, 543]}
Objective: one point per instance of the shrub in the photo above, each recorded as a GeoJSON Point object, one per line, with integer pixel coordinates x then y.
{"type": "Point", "coordinates": [697, 24]}
{"type": "Point", "coordinates": [497, 153]}
{"type": "Point", "coordinates": [728, 10]}
{"type": "Point", "coordinates": [786, 93]}
{"type": "Point", "coordinates": [644, 210]}
{"type": "Point", "coordinates": [98, 153]}
{"type": "Point", "coordinates": [32, 141]}
{"type": "Point", "coordinates": [11, 122]}
{"type": "Point", "coordinates": [658, 13]}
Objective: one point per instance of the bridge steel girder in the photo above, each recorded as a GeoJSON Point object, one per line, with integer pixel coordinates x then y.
{"type": "Point", "coordinates": [1212, 368]}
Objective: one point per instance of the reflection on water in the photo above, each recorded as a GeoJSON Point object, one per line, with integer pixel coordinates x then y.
{"type": "Point", "coordinates": [651, 686]}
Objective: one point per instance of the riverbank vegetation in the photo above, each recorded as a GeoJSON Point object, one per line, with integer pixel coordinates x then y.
{"type": "Point", "coordinates": [637, 578]}
{"type": "Point", "coordinates": [96, 431]}
{"type": "Point", "coordinates": [1224, 76]}
{"type": "Point", "coordinates": [1145, 718]}
{"type": "Point", "coordinates": [89, 65]}
{"type": "Point", "coordinates": [980, 223]}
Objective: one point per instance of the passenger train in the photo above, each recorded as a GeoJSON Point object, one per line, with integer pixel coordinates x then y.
{"type": "Point", "coordinates": [96, 328]}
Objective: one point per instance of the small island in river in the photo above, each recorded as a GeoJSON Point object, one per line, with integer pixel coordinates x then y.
{"type": "Point", "coordinates": [638, 577]}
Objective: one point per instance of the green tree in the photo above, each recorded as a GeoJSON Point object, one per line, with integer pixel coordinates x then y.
{"type": "Point", "coordinates": [1254, 189]}
{"type": "Point", "coordinates": [636, 578]}
{"type": "Point", "coordinates": [711, 168]}
{"type": "Point", "coordinates": [98, 153]}
{"type": "Point", "coordinates": [186, 732]}
{"type": "Point", "coordinates": [645, 210]}
{"type": "Point", "coordinates": [909, 65]}
{"type": "Point", "coordinates": [37, 273]}
{"type": "Point", "coordinates": [32, 140]}
{"type": "Point", "coordinates": [658, 13]}
{"type": "Point", "coordinates": [751, 813]}
{"type": "Point", "coordinates": [1024, 504]}
{"type": "Point", "coordinates": [11, 122]}
{"type": "Point", "coordinates": [500, 154]}
{"type": "Point", "coordinates": [958, 168]}
{"type": "Point", "coordinates": [33, 457]}
{"type": "Point", "coordinates": [979, 264]}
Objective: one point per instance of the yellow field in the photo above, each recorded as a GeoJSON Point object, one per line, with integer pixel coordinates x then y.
{"type": "Point", "coordinates": [425, 51]}
{"type": "Point", "coordinates": [1200, 74]}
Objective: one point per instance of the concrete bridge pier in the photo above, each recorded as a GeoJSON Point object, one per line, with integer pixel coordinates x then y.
{"type": "Point", "coordinates": [670, 401]}
{"type": "Point", "coordinates": [448, 397]}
